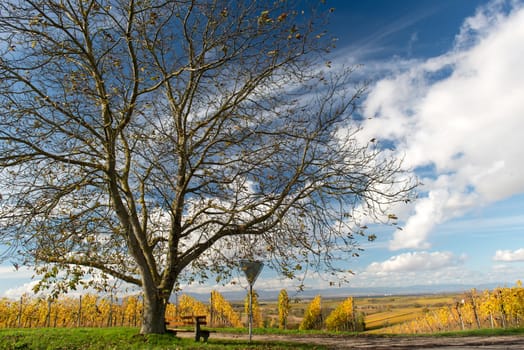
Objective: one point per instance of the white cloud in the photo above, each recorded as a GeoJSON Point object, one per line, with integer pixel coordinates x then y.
{"type": "Point", "coordinates": [21, 287]}
{"type": "Point", "coordinates": [415, 261]}
{"type": "Point", "coordinates": [508, 255]}
{"type": "Point", "coordinates": [419, 268]}
{"type": "Point", "coordinates": [19, 290]}
{"type": "Point", "coordinates": [462, 113]}
{"type": "Point", "coordinates": [9, 272]}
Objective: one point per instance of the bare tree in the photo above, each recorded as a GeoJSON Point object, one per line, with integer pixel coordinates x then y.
{"type": "Point", "coordinates": [157, 141]}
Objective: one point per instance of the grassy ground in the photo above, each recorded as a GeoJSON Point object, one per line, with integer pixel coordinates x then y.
{"type": "Point", "coordinates": [483, 332]}
{"type": "Point", "coordinates": [128, 338]}
{"type": "Point", "coordinates": [296, 332]}
{"type": "Point", "coordinates": [119, 339]}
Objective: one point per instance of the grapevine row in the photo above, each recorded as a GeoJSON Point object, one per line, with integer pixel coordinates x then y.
{"type": "Point", "coordinates": [500, 308]}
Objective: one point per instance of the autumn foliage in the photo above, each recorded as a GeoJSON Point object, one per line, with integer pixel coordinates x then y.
{"type": "Point", "coordinates": [190, 306]}
{"type": "Point", "coordinates": [500, 308]}
{"type": "Point", "coordinates": [223, 314]}
{"type": "Point", "coordinates": [313, 315]}
{"type": "Point", "coordinates": [94, 311]}
{"type": "Point", "coordinates": [345, 318]}
{"type": "Point", "coordinates": [86, 311]}
{"type": "Point", "coordinates": [257, 314]}
{"type": "Point", "coordinates": [283, 309]}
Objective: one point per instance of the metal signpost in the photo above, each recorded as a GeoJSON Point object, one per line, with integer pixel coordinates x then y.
{"type": "Point", "coordinates": [252, 270]}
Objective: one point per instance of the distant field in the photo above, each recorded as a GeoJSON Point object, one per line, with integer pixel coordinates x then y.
{"type": "Point", "coordinates": [380, 312]}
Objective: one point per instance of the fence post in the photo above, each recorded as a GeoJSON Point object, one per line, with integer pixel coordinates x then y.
{"type": "Point", "coordinates": [79, 321]}
{"type": "Point", "coordinates": [211, 311]}
{"type": "Point", "coordinates": [48, 316]}
{"type": "Point", "coordinates": [20, 312]}
{"type": "Point", "coordinates": [457, 306]}
{"type": "Point", "coordinates": [110, 317]}
{"type": "Point", "coordinates": [135, 311]}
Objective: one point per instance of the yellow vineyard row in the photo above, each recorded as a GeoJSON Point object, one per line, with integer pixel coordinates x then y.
{"type": "Point", "coordinates": [502, 307]}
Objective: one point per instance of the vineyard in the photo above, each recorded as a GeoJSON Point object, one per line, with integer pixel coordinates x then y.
{"type": "Point", "coordinates": [499, 308]}
{"type": "Point", "coordinates": [85, 311]}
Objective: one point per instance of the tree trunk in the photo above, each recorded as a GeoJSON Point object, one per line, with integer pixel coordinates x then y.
{"type": "Point", "coordinates": [153, 317]}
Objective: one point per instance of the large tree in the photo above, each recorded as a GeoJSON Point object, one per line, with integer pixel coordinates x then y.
{"type": "Point", "coordinates": [157, 141]}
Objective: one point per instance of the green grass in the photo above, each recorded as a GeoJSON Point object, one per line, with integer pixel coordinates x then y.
{"type": "Point", "coordinates": [487, 332]}
{"type": "Point", "coordinates": [120, 339]}
{"type": "Point", "coordinates": [474, 332]}
{"type": "Point", "coordinates": [129, 338]}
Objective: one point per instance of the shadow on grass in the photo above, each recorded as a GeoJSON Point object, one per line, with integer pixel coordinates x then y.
{"type": "Point", "coordinates": [189, 344]}
{"type": "Point", "coordinates": [124, 339]}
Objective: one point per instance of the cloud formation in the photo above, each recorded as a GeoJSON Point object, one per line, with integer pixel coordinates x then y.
{"type": "Point", "coordinates": [415, 261]}
{"type": "Point", "coordinates": [19, 290]}
{"type": "Point", "coordinates": [9, 272]}
{"type": "Point", "coordinates": [457, 119]}
{"type": "Point", "coordinates": [508, 255]}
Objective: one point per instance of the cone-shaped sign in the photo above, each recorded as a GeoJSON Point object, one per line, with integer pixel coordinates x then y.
{"type": "Point", "coordinates": [251, 269]}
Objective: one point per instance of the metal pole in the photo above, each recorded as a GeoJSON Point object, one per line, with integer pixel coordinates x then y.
{"type": "Point", "coordinates": [252, 270]}
{"type": "Point", "coordinates": [250, 311]}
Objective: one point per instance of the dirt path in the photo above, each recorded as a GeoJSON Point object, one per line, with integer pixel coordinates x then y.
{"type": "Point", "coordinates": [394, 343]}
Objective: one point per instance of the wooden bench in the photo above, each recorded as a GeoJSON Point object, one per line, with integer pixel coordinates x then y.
{"type": "Point", "coordinates": [173, 326]}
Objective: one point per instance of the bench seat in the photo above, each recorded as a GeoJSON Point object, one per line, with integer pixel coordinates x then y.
{"type": "Point", "coordinates": [176, 325]}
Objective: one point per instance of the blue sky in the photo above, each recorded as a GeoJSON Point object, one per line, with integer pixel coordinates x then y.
{"type": "Point", "coordinates": [447, 87]}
